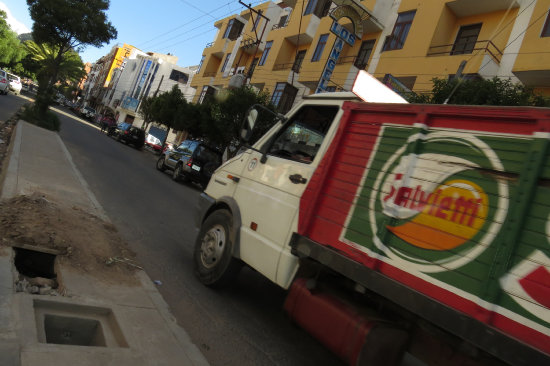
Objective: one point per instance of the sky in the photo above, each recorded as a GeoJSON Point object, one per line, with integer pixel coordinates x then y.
{"type": "Point", "coordinates": [180, 27]}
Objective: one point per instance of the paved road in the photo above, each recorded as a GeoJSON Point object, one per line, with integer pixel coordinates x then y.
{"type": "Point", "coordinates": [240, 325]}
{"type": "Point", "coordinates": [9, 104]}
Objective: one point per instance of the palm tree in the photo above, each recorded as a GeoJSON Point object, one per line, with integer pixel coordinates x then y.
{"type": "Point", "coordinates": [70, 70]}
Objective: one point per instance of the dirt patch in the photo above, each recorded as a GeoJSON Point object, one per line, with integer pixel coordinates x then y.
{"type": "Point", "coordinates": [81, 240]}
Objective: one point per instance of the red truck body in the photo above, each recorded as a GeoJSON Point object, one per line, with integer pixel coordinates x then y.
{"type": "Point", "coordinates": [444, 211]}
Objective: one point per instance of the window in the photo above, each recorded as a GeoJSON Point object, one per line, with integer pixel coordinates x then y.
{"type": "Point", "coordinates": [200, 63]}
{"type": "Point", "coordinates": [320, 47]}
{"type": "Point", "coordinates": [252, 67]}
{"type": "Point", "coordinates": [466, 39]}
{"type": "Point", "coordinates": [546, 28]}
{"type": "Point", "coordinates": [257, 20]}
{"type": "Point", "coordinates": [282, 21]}
{"type": "Point", "coordinates": [225, 62]}
{"type": "Point", "coordinates": [233, 30]}
{"type": "Point", "coordinates": [179, 76]}
{"type": "Point", "coordinates": [304, 134]}
{"type": "Point", "coordinates": [396, 40]}
{"type": "Point", "coordinates": [283, 97]}
{"type": "Point", "coordinates": [318, 7]}
{"type": "Point", "coordinates": [298, 61]}
{"type": "Point", "coordinates": [330, 89]}
{"type": "Point", "coordinates": [206, 93]}
{"type": "Point", "coordinates": [362, 59]}
{"type": "Point", "coordinates": [265, 53]}
{"type": "Point", "coordinates": [228, 29]}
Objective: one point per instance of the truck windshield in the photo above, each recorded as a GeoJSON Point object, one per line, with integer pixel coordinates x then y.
{"type": "Point", "coordinates": [303, 134]}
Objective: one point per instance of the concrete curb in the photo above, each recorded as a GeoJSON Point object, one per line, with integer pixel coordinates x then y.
{"type": "Point", "coordinates": [10, 181]}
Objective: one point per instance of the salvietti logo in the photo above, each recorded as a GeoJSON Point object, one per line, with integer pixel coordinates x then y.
{"type": "Point", "coordinates": [437, 206]}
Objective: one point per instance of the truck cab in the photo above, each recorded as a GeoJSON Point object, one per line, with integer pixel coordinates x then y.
{"type": "Point", "coordinates": [261, 187]}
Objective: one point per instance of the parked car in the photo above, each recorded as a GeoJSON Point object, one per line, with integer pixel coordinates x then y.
{"type": "Point", "coordinates": [15, 83]}
{"type": "Point", "coordinates": [191, 161]}
{"type": "Point", "coordinates": [87, 112]}
{"type": "Point", "coordinates": [125, 132]}
{"type": "Point", "coordinates": [4, 82]}
{"type": "Point", "coordinates": [153, 142]}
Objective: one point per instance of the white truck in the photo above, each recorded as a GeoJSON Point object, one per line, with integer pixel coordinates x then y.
{"type": "Point", "coordinates": [397, 228]}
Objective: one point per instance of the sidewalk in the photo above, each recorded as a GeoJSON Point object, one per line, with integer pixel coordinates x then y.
{"type": "Point", "coordinates": [120, 325]}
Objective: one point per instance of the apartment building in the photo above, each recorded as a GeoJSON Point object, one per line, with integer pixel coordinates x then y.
{"type": "Point", "coordinates": [293, 48]}
{"type": "Point", "coordinates": [100, 75]}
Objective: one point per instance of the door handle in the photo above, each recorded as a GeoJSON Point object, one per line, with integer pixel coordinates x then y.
{"type": "Point", "coordinates": [297, 179]}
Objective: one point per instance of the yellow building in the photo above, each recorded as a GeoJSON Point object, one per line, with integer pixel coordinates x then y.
{"type": "Point", "coordinates": [288, 47]}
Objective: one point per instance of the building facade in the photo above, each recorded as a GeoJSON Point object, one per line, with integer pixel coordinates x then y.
{"type": "Point", "coordinates": [294, 48]}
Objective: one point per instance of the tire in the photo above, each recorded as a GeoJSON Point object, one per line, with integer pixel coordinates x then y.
{"type": "Point", "coordinates": [176, 174]}
{"type": "Point", "coordinates": [215, 265]}
{"type": "Point", "coordinates": [160, 164]}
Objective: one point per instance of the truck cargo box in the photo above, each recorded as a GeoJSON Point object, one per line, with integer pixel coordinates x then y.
{"type": "Point", "coordinates": [446, 211]}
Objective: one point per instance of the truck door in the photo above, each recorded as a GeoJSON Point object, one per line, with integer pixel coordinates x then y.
{"type": "Point", "coordinates": [269, 193]}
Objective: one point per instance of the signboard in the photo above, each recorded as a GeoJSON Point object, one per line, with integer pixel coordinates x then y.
{"type": "Point", "coordinates": [356, 13]}
{"type": "Point", "coordinates": [394, 84]}
{"type": "Point", "coordinates": [130, 103]}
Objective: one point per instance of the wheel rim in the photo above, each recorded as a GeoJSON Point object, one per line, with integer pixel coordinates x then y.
{"type": "Point", "coordinates": [177, 172]}
{"type": "Point", "coordinates": [160, 164]}
{"type": "Point", "coordinates": [213, 245]}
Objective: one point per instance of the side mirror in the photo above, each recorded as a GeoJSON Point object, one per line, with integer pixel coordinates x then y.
{"type": "Point", "coordinates": [248, 125]}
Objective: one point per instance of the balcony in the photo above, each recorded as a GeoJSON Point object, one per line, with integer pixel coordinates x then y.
{"type": "Point", "coordinates": [479, 47]}
{"type": "Point", "coordinates": [466, 8]}
{"type": "Point", "coordinates": [279, 67]}
{"type": "Point", "coordinates": [251, 45]}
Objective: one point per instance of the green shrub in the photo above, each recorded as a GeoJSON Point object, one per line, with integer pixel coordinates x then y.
{"type": "Point", "coordinates": [49, 120]}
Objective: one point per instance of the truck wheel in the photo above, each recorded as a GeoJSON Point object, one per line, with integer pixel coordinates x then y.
{"type": "Point", "coordinates": [215, 265]}
{"type": "Point", "coordinates": [160, 164]}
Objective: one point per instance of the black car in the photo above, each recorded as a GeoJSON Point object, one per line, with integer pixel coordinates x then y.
{"type": "Point", "coordinates": [128, 134]}
{"type": "Point", "coordinates": [191, 161]}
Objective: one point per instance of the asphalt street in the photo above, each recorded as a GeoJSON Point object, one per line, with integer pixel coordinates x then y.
{"type": "Point", "coordinates": [240, 325]}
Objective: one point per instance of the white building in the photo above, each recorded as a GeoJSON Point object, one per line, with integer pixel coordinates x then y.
{"type": "Point", "coordinates": [146, 75]}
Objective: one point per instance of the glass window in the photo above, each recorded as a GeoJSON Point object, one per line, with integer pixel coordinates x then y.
{"type": "Point", "coordinates": [546, 28]}
{"type": "Point", "coordinates": [298, 60]}
{"type": "Point", "coordinates": [228, 29]}
{"type": "Point", "coordinates": [225, 62]}
{"type": "Point", "coordinates": [283, 96]}
{"type": "Point", "coordinates": [363, 56]}
{"type": "Point", "coordinates": [466, 39]}
{"type": "Point", "coordinates": [396, 40]}
{"type": "Point", "coordinates": [257, 20]}
{"type": "Point", "coordinates": [318, 7]}
{"type": "Point", "coordinates": [266, 52]}
{"type": "Point", "coordinates": [200, 63]}
{"type": "Point", "coordinates": [320, 47]}
{"type": "Point", "coordinates": [303, 134]}
{"type": "Point", "coordinates": [252, 67]}
{"type": "Point", "coordinates": [179, 76]}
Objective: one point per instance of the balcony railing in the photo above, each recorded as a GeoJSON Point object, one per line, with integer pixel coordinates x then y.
{"type": "Point", "coordinates": [287, 66]}
{"type": "Point", "coordinates": [249, 42]}
{"type": "Point", "coordinates": [350, 60]}
{"type": "Point", "coordinates": [479, 46]}
{"type": "Point", "coordinates": [209, 44]}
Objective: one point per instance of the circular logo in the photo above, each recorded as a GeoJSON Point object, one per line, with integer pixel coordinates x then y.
{"type": "Point", "coordinates": [252, 164]}
{"type": "Point", "coordinates": [439, 207]}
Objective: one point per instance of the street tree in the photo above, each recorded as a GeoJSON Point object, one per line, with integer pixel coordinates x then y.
{"type": "Point", "coordinates": [11, 51]}
{"type": "Point", "coordinates": [67, 25]}
{"type": "Point", "coordinates": [495, 91]}
{"type": "Point", "coordinates": [166, 107]}
{"type": "Point", "coordinates": [228, 110]}
{"type": "Point", "coordinates": [147, 111]}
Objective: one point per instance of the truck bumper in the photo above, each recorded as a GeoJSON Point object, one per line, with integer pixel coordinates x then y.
{"type": "Point", "coordinates": [203, 205]}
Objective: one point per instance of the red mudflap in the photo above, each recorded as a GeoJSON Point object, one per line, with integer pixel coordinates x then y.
{"type": "Point", "coordinates": [353, 337]}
